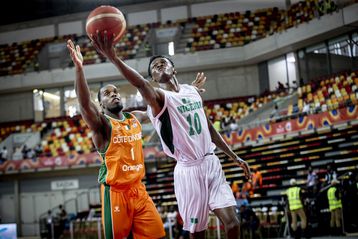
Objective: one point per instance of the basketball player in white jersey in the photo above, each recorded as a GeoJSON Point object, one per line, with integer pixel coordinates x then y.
{"type": "Point", "coordinates": [177, 113]}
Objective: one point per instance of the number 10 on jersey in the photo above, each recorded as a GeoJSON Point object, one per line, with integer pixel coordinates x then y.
{"type": "Point", "coordinates": [194, 123]}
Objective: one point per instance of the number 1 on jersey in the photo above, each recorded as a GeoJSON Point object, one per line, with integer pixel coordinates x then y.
{"type": "Point", "coordinates": [197, 124]}
{"type": "Point", "coordinates": [132, 153]}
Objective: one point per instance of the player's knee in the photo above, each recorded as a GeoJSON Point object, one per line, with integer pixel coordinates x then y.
{"type": "Point", "coordinates": [234, 224]}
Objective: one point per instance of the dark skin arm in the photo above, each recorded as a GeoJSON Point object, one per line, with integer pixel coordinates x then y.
{"type": "Point", "coordinates": [140, 111]}
{"type": "Point", "coordinates": [153, 96]}
{"type": "Point", "coordinates": [89, 111]}
{"type": "Point", "coordinates": [218, 140]}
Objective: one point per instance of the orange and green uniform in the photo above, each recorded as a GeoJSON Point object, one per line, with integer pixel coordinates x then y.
{"type": "Point", "coordinates": [126, 205]}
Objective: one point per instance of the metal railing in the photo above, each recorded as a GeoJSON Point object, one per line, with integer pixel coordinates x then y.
{"type": "Point", "coordinates": [77, 201]}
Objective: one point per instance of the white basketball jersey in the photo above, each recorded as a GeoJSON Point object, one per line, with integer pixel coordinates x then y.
{"type": "Point", "coordinates": [182, 125]}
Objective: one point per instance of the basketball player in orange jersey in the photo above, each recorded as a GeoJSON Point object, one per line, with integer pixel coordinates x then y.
{"type": "Point", "coordinates": [176, 111]}
{"type": "Point", "coordinates": [126, 205]}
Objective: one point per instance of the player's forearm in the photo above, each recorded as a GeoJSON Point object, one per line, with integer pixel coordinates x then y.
{"type": "Point", "coordinates": [81, 88]}
{"type": "Point", "coordinates": [129, 73]}
{"type": "Point", "coordinates": [220, 142]}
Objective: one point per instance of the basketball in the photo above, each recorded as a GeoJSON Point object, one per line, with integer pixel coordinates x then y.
{"type": "Point", "coordinates": [106, 18]}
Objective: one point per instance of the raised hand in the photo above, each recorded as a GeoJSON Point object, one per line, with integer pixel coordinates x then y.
{"type": "Point", "coordinates": [244, 165]}
{"type": "Point", "coordinates": [199, 82]}
{"type": "Point", "coordinates": [75, 53]}
{"type": "Point", "coordinates": [104, 44]}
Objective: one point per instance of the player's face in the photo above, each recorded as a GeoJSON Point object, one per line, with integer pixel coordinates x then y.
{"type": "Point", "coordinates": [162, 70]}
{"type": "Point", "coordinates": [111, 99]}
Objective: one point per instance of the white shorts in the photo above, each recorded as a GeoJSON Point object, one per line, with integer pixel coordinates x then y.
{"type": "Point", "coordinates": [201, 186]}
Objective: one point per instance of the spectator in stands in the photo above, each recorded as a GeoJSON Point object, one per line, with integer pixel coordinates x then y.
{"type": "Point", "coordinates": [275, 112]}
{"type": "Point", "coordinates": [172, 217]}
{"type": "Point", "coordinates": [335, 207]}
{"type": "Point", "coordinates": [331, 174]}
{"type": "Point", "coordinates": [294, 85]}
{"type": "Point", "coordinates": [256, 178]}
{"type": "Point", "coordinates": [235, 187]}
{"type": "Point", "coordinates": [49, 221]}
{"type": "Point", "coordinates": [249, 222]}
{"type": "Point", "coordinates": [30, 154]}
{"type": "Point", "coordinates": [240, 200]}
{"type": "Point", "coordinates": [247, 189]}
{"type": "Point", "coordinates": [147, 49]}
{"type": "Point", "coordinates": [296, 208]}
{"type": "Point", "coordinates": [225, 124]}
{"type": "Point", "coordinates": [122, 169]}
{"type": "Point", "coordinates": [63, 218]}
{"type": "Point", "coordinates": [306, 108]}
{"type": "Point", "coordinates": [24, 151]}
{"type": "Point", "coordinates": [312, 179]}
{"type": "Point", "coordinates": [38, 150]}
{"type": "Point", "coordinates": [233, 126]}
{"type": "Point", "coordinates": [327, 6]}
{"type": "Point", "coordinates": [3, 155]}
{"type": "Point", "coordinates": [295, 109]}
{"type": "Point", "coordinates": [280, 87]}
{"type": "Point", "coordinates": [176, 111]}
{"type": "Point", "coordinates": [217, 124]}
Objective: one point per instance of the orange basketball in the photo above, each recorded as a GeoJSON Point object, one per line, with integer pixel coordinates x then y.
{"type": "Point", "coordinates": [106, 18]}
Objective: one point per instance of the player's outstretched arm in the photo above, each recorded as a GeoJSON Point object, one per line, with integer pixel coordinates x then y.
{"type": "Point", "coordinates": [89, 111]}
{"type": "Point", "coordinates": [221, 144]}
{"type": "Point", "coordinates": [154, 97]}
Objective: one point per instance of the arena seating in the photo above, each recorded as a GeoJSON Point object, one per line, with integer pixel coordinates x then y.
{"type": "Point", "coordinates": [238, 108]}
{"type": "Point", "coordinates": [279, 159]}
{"type": "Point", "coordinates": [210, 32]}
{"type": "Point", "coordinates": [60, 136]}
{"type": "Point", "coordinates": [17, 58]}
{"type": "Point", "coordinates": [15, 127]}
{"type": "Point", "coordinates": [237, 29]}
{"type": "Point", "coordinates": [67, 137]}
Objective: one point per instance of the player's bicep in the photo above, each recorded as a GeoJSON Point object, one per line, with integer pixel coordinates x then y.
{"type": "Point", "coordinates": [92, 116]}
{"type": "Point", "coordinates": [153, 96]}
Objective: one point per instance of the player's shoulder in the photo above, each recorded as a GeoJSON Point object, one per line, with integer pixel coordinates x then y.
{"type": "Point", "coordinates": [129, 116]}
{"type": "Point", "coordinates": [188, 87]}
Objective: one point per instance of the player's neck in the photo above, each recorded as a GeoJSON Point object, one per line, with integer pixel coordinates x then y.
{"type": "Point", "coordinates": [118, 116]}
{"type": "Point", "coordinates": [171, 85]}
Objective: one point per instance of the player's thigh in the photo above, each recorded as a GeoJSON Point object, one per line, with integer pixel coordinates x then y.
{"type": "Point", "coordinates": [220, 193]}
{"type": "Point", "coordinates": [117, 219]}
{"type": "Point", "coordinates": [191, 190]}
{"type": "Point", "coordinates": [146, 221]}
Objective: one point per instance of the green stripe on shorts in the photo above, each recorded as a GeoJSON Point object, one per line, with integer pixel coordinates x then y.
{"type": "Point", "coordinates": [107, 213]}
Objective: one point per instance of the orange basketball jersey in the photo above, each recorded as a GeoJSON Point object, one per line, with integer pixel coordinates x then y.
{"type": "Point", "coordinates": [123, 162]}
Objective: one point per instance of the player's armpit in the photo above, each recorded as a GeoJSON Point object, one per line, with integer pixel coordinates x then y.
{"type": "Point", "coordinates": [141, 116]}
